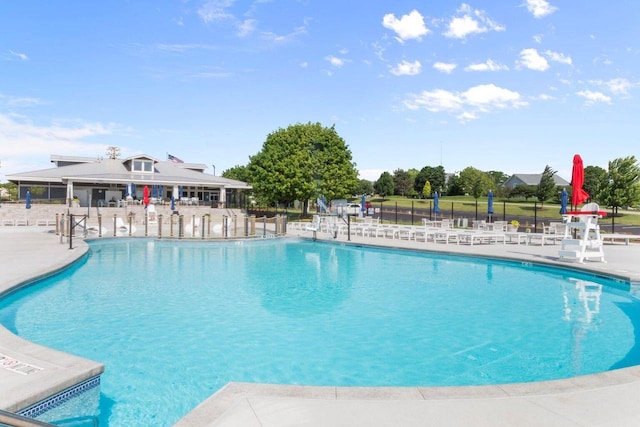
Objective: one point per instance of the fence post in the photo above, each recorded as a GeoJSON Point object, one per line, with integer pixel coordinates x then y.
{"type": "Point", "coordinates": [412, 212]}
{"type": "Point", "coordinates": [452, 216]}
{"type": "Point", "coordinates": [181, 226]}
{"type": "Point", "coordinates": [115, 217]}
{"type": "Point", "coordinates": [252, 225]}
{"type": "Point", "coordinates": [146, 224]}
{"type": "Point", "coordinates": [535, 217]}
{"type": "Point", "coordinates": [130, 223]}
{"type": "Point", "coordinates": [476, 209]}
{"type": "Point", "coordinates": [71, 231]}
{"type": "Point", "coordinates": [160, 226]}
{"type": "Point", "coordinates": [202, 227]}
{"type": "Point", "coordinates": [504, 210]}
{"type": "Point", "coordinates": [99, 225]}
{"type": "Point", "coordinates": [264, 226]}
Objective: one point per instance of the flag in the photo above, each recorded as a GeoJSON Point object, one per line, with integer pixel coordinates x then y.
{"type": "Point", "coordinates": [173, 159]}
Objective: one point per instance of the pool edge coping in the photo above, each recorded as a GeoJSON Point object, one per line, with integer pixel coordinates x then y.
{"type": "Point", "coordinates": [58, 371]}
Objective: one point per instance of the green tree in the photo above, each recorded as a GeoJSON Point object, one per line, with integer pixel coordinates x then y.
{"type": "Point", "coordinates": [239, 173]}
{"type": "Point", "coordinates": [435, 175]}
{"type": "Point", "coordinates": [546, 188]}
{"type": "Point", "coordinates": [413, 173]}
{"type": "Point", "coordinates": [302, 162]}
{"type": "Point", "coordinates": [475, 182]}
{"type": "Point", "coordinates": [384, 184]}
{"type": "Point", "coordinates": [402, 183]}
{"type": "Point", "coordinates": [498, 178]}
{"type": "Point", "coordinates": [623, 188]}
{"type": "Point", "coordinates": [453, 186]}
{"type": "Point", "coordinates": [426, 190]}
{"type": "Point", "coordinates": [595, 181]}
{"type": "Point", "coordinates": [364, 186]}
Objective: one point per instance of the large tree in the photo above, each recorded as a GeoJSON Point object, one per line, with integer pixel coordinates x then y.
{"type": "Point", "coordinates": [499, 178]}
{"type": "Point", "coordinates": [364, 186]}
{"type": "Point", "coordinates": [547, 186]}
{"type": "Point", "coordinates": [623, 187]}
{"type": "Point", "coordinates": [303, 162]}
{"type": "Point", "coordinates": [475, 182]}
{"type": "Point", "coordinates": [402, 183]}
{"type": "Point", "coordinates": [435, 176]}
{"type": "Point", "coordinates": [595, 181]}
{"type": "Point", "coordinates": [384, 185]}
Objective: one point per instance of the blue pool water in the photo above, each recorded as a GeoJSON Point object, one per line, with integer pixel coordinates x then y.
{"type": "Point", "coordinates": [175, 321]}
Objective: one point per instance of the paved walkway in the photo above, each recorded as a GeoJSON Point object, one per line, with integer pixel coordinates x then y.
{"type": "Point", "coordinates": [607, 399]}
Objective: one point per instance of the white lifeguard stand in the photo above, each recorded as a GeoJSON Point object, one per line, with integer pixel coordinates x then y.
{"type": "Point", "coordinates": [588, 242]}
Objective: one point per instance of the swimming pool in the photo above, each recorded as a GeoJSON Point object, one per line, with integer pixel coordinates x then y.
{"type": "Point", "coordinates": [173, 322]}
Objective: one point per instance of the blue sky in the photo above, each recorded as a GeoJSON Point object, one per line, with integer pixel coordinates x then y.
{"type": "Point", "coordinates": [498, 85]}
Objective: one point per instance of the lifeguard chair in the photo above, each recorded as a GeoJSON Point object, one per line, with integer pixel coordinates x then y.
{"type": "Point", "coordinates": [587, 243]}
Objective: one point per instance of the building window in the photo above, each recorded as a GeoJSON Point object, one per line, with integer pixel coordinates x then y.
{"type": "Point", "coordinates": [142, 166]}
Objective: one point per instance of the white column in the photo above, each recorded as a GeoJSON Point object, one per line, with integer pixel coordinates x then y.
{"type": "Point", "coordinates": [69, 193]}
{"type": "Point", "coordinates": [223, 197]}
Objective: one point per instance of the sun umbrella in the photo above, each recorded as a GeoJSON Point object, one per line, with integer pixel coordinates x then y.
{"type": "Point", "coordinates": [363, 202]}
{"type": "Point", "coordinates": [145, 196]}
{"type": "Point", "coordinates": [436, 208]}
{"type": "Point", "coordinates": [564, 196]}
{"type": "Point", "coordinates": [173, 203]}
{"type": "Point", "coordinates": [490, 204]}
{"type": "Point", "coordinates": [28, 200]}
{"type": "Point", "coordinates": [578, 195]}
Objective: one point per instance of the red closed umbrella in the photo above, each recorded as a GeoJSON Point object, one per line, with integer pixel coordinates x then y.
{"type": "Point", "coordinates": [145, 196]}
{"type": "Point", "coordinates": [578, 195]}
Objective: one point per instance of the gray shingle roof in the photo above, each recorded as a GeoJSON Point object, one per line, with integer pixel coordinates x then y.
{"type": "Point", "coordinates": [116, 171]}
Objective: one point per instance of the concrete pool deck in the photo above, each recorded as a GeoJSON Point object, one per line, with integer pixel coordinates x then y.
{"type": "Point", "coordinates": [606, 399]}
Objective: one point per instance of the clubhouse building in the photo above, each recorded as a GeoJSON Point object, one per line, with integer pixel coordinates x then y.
{"type": "Point", "coordinates": [91, 181]}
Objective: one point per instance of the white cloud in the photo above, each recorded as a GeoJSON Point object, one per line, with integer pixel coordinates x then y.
{"type": "Point", "coordinates": [558, 57]}
{"type": "Point", "coordinates": [593, 97]}
{"type": "Point", "coordinates": [444, 67]}
{"type": "Point", "coordinates": [531, 59]}
{"type": "Point", "coordinates": [12, 101]}
{"type": "Point", "coordinates": [468, 104]}
{"type": "Point", "coordinates": [540, 8]}
{"type": "Point", "coordinates": [435, 101]}
{"type": "Point", "coordinates": [544, 97]}
{"type": "Point", "coordinates": [24, 144]}
{"type": "Point", "coordinates": [21, 56]}
{"type": "Point", "coordinates": [406, 68]}
{"type": "Point", "coordinates": [214, 10]}
{"type": "Point", "coordinates": [619, 86]}
{"type": "Point", "coordinates": [408, 27]}
{"type": "Point", "coordinates": [246, 27]}
{"type": "Point", "coordinates": [491, 96]}
{"type": "Point", "coordinates": [277, 38]}
{"type": "Point", "coordinates": [469, 22]}
{"type": "Point", "coordinates": [489, 65]}
{"type": "Point", "coordinates": [334, 60]}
